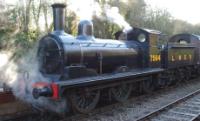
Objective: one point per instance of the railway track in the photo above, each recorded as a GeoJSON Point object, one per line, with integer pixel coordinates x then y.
{"type": "Point", "coordinates": [183, 109]}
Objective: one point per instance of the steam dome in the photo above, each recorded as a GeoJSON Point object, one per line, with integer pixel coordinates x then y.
{"type": "Point", "coordinates": [85, 30]}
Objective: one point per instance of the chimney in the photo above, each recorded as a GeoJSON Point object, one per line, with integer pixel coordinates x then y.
{"type": "Point", "coordinates": [58, 16]}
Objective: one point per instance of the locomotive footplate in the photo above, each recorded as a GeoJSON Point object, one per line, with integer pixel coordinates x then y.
{"type": "Point", "coordinates": [56, 89]}
{"type": "Point", "coordinates": [108, 78]}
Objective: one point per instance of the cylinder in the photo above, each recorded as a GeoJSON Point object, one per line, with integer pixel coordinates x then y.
{"type": "Point", "coordinates": [58, 16]}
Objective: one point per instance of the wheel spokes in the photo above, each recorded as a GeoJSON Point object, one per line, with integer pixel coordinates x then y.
{"type": "Point", "coordinates": [121, 93]}
{"type": "Point", "coordinates": [84, 102]}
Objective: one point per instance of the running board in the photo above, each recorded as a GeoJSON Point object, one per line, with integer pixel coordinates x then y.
{"type": "Point", "coordinates": [106, 78]}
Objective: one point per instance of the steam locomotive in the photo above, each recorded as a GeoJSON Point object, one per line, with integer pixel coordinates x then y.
{"type": "Point", "coordinates": [84, 69]}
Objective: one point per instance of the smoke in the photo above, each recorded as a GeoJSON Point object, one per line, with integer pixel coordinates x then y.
{"type": "Point", "coordinates": [113, 15]}
{"type": "Point", "coordinates": [86, 9]}
{"type": "Point", "coordinates": [4, 57]}
{"type": "Point", "coordinates": [21, 75]}
{"type": "Point", "coordinates": [15, 74]}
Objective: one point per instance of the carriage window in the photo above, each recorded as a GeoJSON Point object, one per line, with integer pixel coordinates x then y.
{"type": "Point", "coordinates": [182, 41]}
{"type": "Point", "coordinates": [141, 38]}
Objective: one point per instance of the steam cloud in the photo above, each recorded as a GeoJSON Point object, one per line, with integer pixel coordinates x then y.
{"type": "Point", "coordinates": [86, 9]}
{"type": "Point", "coordinates": [21, 75]}
{"type": "Point", "coordinates": [113, 15]}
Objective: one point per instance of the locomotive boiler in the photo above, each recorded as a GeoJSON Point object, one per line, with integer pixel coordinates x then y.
{"type": "Point", "coordinates": [72, 57]}
{"type": "Point", "coordinates": [83, 69]}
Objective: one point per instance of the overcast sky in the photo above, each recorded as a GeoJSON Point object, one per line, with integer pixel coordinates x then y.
{"type": "Point", "coordinates": [188, 10]}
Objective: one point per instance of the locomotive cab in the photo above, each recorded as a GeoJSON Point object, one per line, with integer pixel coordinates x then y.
{"type": "Point", "coordinates": [152, 43]}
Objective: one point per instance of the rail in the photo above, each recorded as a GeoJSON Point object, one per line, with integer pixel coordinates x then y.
{"type": "Point", "coordinates": [165, 110]}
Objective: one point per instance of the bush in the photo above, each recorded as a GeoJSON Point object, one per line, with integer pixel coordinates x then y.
{"type": "Point", "coordinates": [24, 42]}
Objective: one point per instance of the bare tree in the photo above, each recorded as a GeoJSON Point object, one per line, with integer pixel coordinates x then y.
{"type": "Point", "coordinates": [36, 10]}
{"type": "Point", "coordinates": [25, 6]}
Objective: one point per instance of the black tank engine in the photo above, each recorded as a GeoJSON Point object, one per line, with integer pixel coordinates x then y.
{"type": "Point", "coordinates": [82, 68]}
